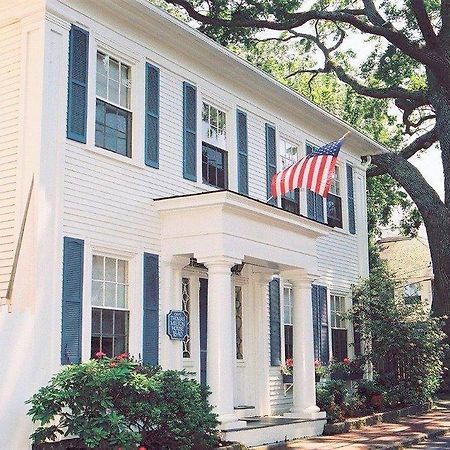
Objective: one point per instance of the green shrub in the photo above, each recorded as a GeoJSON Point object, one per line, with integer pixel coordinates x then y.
{"type": "Point", "coordinates": [110, 403]}
{"type": "Point", "coordinates": [406, 341]}
{"type": "Point", "coordinates": [330, 397]}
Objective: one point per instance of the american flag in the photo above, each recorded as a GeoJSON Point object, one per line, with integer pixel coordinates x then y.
{"type": "Point", "coordinates": [314, 171]}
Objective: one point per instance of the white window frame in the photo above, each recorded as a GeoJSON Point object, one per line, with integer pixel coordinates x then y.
{"type": "Point", "coordinates": [208, 139]}
{"type": "Point", "coordinates": [334, 311]}
{"type": "Point", "coordinates": [134, 258]}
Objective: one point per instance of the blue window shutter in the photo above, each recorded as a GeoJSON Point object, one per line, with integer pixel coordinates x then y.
{"type": "Point", "coordinates": [315, 318]}
{"type": "Point", "coordinates": [242, 145]}
{"type": "Point", "coordinates": [151, 116]}
{"type": "Point", "coordinates": [314, 202]}
{"type": "Point", "coordinates": [77, 84]}
{"type": "Point", "coordinates": [189, 132]}
{"type": "Point", "coordinates": [351, 200]}
{"type": "Point", "coordinates": [323, 313]}
{"type": "Point", "coordinates": [150, 330]}
{"type": "Point", "coordinates": [203, 324]}
{"type": "Point", "coordinates": [72, 300]}
{"type": "Point", "coordinates": [275, 322]}
{"type": "Point", "coordinates": [271, 159]}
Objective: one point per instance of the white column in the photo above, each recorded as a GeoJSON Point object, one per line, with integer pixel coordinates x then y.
{"type": "Point", "coordinates": [171, 354]}
{"type": "Point", "coordinates": [304, 389]}
{"type": "Point", "coordinates": [221, 348]}
{"type": "Point", "coordinates": [262, 363]}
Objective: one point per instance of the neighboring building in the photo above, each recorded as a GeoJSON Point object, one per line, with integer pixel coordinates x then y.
{"type": "Point", "coordinates": [151, 149]}
{"type": "Point", "coordinates": [410, 260]}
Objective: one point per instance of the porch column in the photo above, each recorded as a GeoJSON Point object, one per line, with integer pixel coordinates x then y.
{"type": "Point", "coordinates": [221, 347]}
{"type": "Point", "coordinates": [171, 355]}
{"type": "Point", "coordinates": [304, 389]}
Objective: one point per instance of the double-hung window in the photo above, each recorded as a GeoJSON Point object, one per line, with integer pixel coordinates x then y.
{"type": "Point", "coordinates": [334, 201]}
{"type": "Point", "coordinates": [289, 153]}
{"type": "Point", "coordinates": [110, 314]}
{"type": "Point", "coordinates": [338, 327]}
{"type": "Point", "coordinates": [214, 154]}
{"type": "Point", "coordinates": [113, 114]}
{"type": "Point", "coordinates": [288, 324]}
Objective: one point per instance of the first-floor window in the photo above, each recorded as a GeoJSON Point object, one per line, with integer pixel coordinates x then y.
{"type": "Point", "coordinates": [186, 305]}
{"type": "Point", "coordinates": [110, 314]}
{"type": "Point", "coordinates": [338, 327]}
{"type": "Point", "coordinates": [412, 294]}
{"type": "Point", "coordinates": [239, 323]}
{"type": "Point", "coordinates": [288, 324]}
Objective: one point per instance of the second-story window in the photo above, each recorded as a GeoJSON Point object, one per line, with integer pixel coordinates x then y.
{"type": "Point", "coordinates": [113, 115]}
{"type": "Point", "coordinates": [289, 153]}
{"type": "Point", "coordinates": [214, 154]}
{"type": "Point", "coordinates": [334, 201]}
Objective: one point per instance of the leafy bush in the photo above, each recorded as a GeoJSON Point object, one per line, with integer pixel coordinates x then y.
{"type": "Point", "coordinates": [406, 341]}
{"type": "Point", "coordinates": [110, 403]}
{"type": "Point", "coordinates": [330, 397]}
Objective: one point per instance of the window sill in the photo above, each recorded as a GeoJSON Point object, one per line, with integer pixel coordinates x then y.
{"type": "Point", "coordinates": [108, 154]}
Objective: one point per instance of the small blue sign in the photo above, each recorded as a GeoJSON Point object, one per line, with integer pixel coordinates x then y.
{"type": "Point", "coordinates": [177, 325]}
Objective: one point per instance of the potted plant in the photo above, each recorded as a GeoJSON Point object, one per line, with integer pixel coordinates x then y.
{"type": "Point", "coordinates": [320, 370]}
{"type": "Point", "coordinates": [288, 371]}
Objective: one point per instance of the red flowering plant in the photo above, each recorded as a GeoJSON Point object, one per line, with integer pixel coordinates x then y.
{"type": "Point", "coordinates": [320, 369]}
{"type": "Point", "coordinates": [288, 367]}
{"type": "Point", "coordinates": [347, 368]}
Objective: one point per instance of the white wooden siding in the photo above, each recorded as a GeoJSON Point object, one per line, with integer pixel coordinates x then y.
{"type": "Point", "coordinates": [9, 130]}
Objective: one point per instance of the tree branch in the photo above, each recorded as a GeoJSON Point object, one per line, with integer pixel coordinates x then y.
{"type": "Point", "coordinates": [424, 141]}
{"type": "Point", "coordinates": [409, 177]}
{"type": "Point", "coordinates": [444, 33]}
{"type": "Point", "coordinates": [333, 66]}
{"type": "Point", "coordinates": [423, 20]}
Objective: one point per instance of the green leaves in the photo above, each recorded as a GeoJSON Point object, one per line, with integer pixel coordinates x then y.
{"type": "Point", "coordinates": [119, 402]}
{"type": "Point", "coordinates": [406, 342]}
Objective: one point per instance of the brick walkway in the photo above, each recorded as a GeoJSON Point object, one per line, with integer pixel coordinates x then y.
{"type": "Point", "coordinates": [407, 431]}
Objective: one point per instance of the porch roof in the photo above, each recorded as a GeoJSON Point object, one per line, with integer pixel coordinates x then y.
{"type": "Point", "coordinates": [227, 224]}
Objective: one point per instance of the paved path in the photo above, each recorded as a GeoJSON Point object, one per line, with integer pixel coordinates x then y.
{"type": "Point", "coordinates": [439, 443]}
{"type": "Point", "coordinates": [408, 431]}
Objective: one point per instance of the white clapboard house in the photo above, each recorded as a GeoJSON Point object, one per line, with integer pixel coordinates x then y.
{"type": "Point", "coordinates": [135, 162]}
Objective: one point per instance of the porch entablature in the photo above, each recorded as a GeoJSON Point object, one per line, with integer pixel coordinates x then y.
{"type": "Point", "coordinates": [224, 223]}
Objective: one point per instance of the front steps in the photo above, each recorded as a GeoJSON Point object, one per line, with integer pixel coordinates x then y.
{"type": "Point", "coordinates": [268, 430]}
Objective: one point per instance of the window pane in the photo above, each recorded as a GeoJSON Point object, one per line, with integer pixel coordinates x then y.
{"type": "Point", "coordinates": [97, 293]}
{"type": "Point", "coordinates": [102, 64]}
{"type": "Point", "coordinates": [113, 91]}
{"type": "Point", "coordinates": [107, 346]}
{"type": "Point", "coordinates": [120, 345]}
{"type": "Point", "coordinates": [122, 271]}
{"type": "Point", "coordinates": [121, 296]}
{"type": "Point", "coordinates": [121, 323]}
{"type": "Point", "coordinates": [102, 86]}
{"type": "Point", "coordinates": [96, 320]}
{"type": "Point", "coordinates": [110, 266]}
{"type": "Point", "coordinates": [110, 294]}
{"type": "Point", "coordinates": [107, 322]}
{"type": "Point", "coordinates": [95, 345]}
{"type": "Point", "coordinates": [97, 267]}
{"type": "Point", "coordinates": [124, 83]}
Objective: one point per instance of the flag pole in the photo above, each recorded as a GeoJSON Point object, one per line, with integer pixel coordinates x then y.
{"type": "Point", "coordinates": [345, 135]}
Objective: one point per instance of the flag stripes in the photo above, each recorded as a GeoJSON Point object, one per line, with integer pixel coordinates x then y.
{"type": "Point", "coordinates": [314, 172]}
